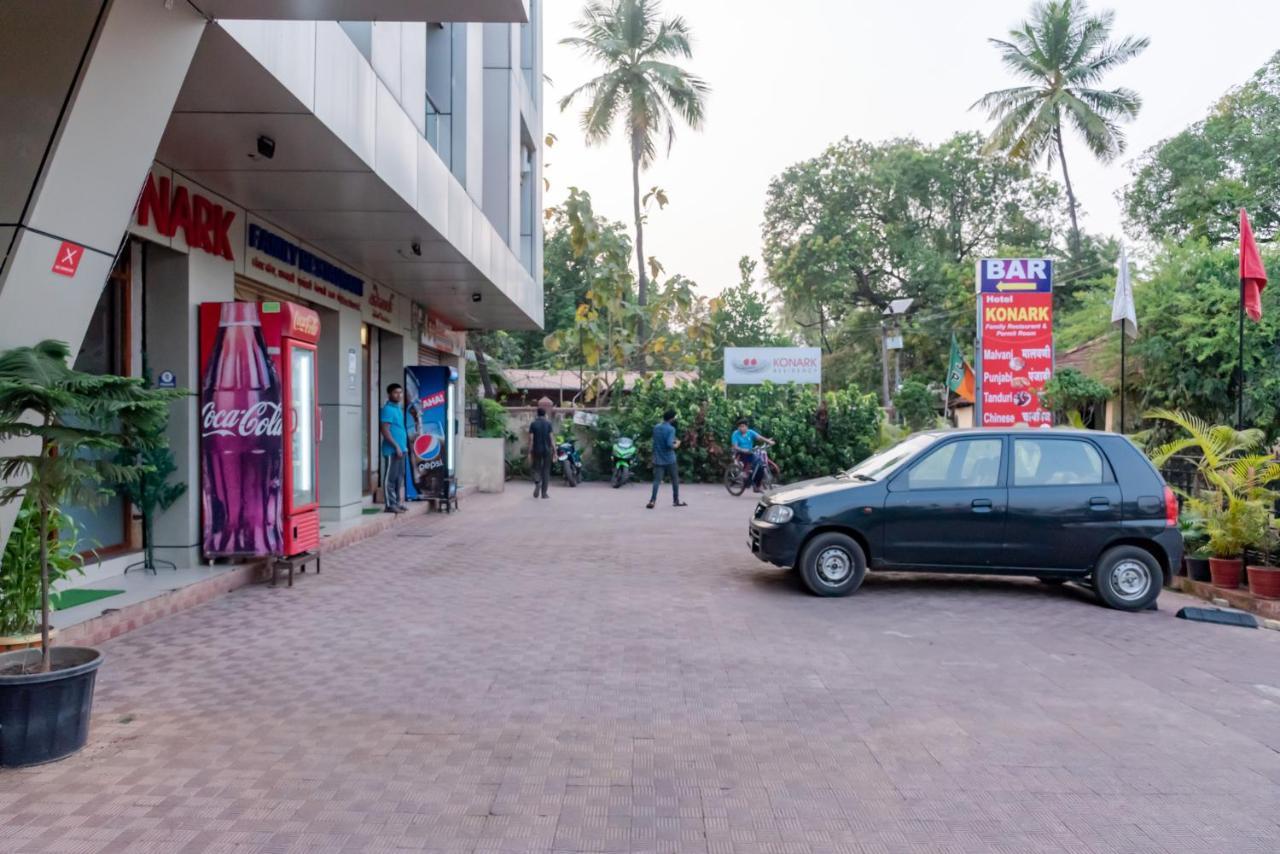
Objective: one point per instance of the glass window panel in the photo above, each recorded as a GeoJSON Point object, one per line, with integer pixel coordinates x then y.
{"type": "Point", "coordinates": [1055, 462]}
{"type": "Point", "coordinates": [974, 463]}
{"type": "Point", "coordinates": [302, 371]}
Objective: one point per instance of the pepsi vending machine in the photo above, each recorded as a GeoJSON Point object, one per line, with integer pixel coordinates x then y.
{"type": "Point", "coordinates": [259, 428]}
{"type": "Point", "coordinates": [430, 393]}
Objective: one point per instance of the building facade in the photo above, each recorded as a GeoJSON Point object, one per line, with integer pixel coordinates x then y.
{"type": "Point", "coordinates": [382, 167]}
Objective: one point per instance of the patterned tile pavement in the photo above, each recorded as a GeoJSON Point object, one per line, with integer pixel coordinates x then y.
{"type": "Point", "coordinates": [581, 675]}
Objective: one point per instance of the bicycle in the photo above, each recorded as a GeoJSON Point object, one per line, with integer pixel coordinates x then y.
{"type": "Point", "coordinates": [738, 474]}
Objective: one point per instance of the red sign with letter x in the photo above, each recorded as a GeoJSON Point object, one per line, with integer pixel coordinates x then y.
{"type": "Point", "coordinates": [68, 259]}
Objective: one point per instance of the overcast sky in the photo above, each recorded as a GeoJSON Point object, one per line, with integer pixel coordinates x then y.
{"type": "Point", "coordinates": [789, 78]}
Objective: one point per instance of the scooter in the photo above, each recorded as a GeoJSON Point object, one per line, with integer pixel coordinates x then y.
{"type": "Point", "coordinates": [570, 461]}
{"type": "Point", "coordinates": [624, 453]}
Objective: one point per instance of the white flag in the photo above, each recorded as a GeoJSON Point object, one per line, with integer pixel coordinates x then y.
{"type": "Point", "coordinates": [1122, 310]}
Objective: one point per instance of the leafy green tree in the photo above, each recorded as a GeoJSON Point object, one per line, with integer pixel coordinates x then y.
{"type": "Point", "coordinates": [916, 405]}
{"type": "Point", "coordinates": [1062, 51]}
{"type": "Point", "coordinates": [1187, 352]}
{"type": "Point", "coordinates": [862, 224]}
{"type": "Point", "coordinates": [1190, 186]}
{"type": "Point", "coordinates": [743, 318]}
{"type": "Point", "coordinates": [640, 86]}
{"type": "Point", "coordinates": [1074, 396]}
{"type": "Point", "coordinates": [611, 330]}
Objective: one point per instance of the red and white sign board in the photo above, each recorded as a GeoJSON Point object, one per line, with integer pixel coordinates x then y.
{"type": "Point", "coordinates": [177, 213]}
{"type": "Point", "coordinates": [67, 261]}
{"type": "Point", "coordinates": [1015, 341]}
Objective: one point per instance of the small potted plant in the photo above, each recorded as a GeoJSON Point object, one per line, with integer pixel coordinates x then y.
{"type": "Point", "coordinates": [61, 428]}
{"type": "Point", "coordinates": [1264, 578]}
{"type": "Point", "coordinates": [1232, 523]}
{"type": "Point", "coordinates": [1195, 546]}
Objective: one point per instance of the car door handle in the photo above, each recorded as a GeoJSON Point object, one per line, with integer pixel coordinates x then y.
{"type": "Point", "coordinates": [981, 505]}
{"type": "Point", "coordinates": [1099, 504]}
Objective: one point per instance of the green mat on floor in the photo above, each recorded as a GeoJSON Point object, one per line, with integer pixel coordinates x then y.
{"type": "Point", "coordinates": [371, 510]}
{"type": "Point", "coordinates": [78, 596]}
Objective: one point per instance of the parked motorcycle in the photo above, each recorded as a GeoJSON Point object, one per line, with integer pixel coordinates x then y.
{"type": "Point", "coordinates": [624, 453]}
{"type": "Point", "coordinates": [570, 460]}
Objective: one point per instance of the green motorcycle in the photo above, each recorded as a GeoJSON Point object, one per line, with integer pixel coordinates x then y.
{"type": "Point", "coordinates": [624, 453]}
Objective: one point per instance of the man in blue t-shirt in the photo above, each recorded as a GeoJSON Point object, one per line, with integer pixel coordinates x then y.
{"type": "Point", "coordinates": [664, 458]}
{"type": "Point", "coordinates": [744, 441]}
{"type": "Point", "coordinates": [395, 449]}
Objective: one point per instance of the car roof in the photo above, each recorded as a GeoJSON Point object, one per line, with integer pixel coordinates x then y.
{"type": "Point", "coordinates": [1018, 431]}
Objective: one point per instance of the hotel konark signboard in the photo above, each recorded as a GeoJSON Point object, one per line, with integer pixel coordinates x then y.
{"type": "Point", "coordinates": [1015, 341]}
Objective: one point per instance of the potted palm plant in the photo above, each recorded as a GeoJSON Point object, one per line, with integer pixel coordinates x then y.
{"type": "Point", "coordinates": [1264, 578]}
{"type": "Point", "coordinates": [61, 429]}
{"type": "Point", "coordinates": [1233, 523]}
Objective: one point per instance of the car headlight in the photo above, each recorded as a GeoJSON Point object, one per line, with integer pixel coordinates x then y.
{"type": "Point", "coordinates": [777, 514]}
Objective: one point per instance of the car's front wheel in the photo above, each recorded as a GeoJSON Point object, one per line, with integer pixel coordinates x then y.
{"type": "Point", "coordinates": [832, 564]}
{"type": "Point", "coordinates": [1128, 578]}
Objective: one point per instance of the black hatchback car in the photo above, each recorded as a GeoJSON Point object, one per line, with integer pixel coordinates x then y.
{"type": "Point", "coordinates": [1050, 504]}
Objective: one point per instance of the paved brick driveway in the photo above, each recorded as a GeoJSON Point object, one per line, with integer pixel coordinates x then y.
{"type": "Point", "coordinates": [582, 675]}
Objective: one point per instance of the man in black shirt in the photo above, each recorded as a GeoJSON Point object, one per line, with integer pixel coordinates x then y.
{"type": "Point", "coordinates": [541, 448]}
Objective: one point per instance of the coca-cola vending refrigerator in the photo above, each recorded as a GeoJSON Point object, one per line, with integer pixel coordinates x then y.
{"type": "Point", "coordinates": [259, 428]}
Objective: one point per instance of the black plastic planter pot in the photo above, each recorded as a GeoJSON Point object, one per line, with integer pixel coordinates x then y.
{"type": "Point", "coordinates": [1198, 568]}
{"type": "Point", "coordinates": [45, 716]}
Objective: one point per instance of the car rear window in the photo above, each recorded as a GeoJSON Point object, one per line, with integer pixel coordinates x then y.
{"type": "Point", "coordinates": [1056, 462]}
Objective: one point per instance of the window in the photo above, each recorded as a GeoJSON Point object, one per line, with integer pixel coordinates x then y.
{"type": "Point", "coordinates": [973, 463]}
{"type": "Point", "coordinates": [1055, 462]}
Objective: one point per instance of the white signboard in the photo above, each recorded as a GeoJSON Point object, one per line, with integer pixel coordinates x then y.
{"type": "Point", "coordinates": [755, 365]}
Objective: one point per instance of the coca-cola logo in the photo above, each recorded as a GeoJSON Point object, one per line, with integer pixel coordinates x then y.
{"type": "Point", "coordinates": [261, 419]}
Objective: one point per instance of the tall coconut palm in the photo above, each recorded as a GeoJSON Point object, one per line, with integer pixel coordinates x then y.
{"type": "Point", "coordinates": [639, 84]}
{"type": "Point", "coordinates": [1063, 51]}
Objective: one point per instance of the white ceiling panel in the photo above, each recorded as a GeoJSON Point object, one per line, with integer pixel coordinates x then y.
{"type": "Point", "coordinates": [229, 141]}
{"type": "Point", "coordinates": [317, 191]}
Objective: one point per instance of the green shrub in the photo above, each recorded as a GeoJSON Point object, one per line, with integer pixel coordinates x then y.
{"type": "Point", "coordinates": [916, 405]}
{"type": "Point", "coordinates": [495, 419]}
{"type": "Point", "coordinates": [809, 444]}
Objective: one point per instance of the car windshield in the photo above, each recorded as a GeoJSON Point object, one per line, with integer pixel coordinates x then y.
{"type": "Point", "coordinates": [887, 461]}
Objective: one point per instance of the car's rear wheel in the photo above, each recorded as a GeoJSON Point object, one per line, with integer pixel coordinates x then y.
{"type": "Point", "coordinates": [832, 564]}
{"type": "Point", "coordinates": [1128, 578]}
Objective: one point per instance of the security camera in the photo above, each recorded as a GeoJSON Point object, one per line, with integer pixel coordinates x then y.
{"type": "Point", "coordinates": [266, 147]}
{"type": "Point", "coordinates": [476, 297]}
{"type": "Point", "coordinates": [416, 248]}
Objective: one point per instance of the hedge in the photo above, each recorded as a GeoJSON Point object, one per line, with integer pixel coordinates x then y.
{"type": "Point", "coordinates": [809, 444]}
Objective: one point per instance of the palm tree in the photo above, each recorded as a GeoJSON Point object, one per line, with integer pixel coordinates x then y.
{"type": "Point", "coordinates": [1063, 51]}
{"type": "Point", "coordinates": [639, 83]}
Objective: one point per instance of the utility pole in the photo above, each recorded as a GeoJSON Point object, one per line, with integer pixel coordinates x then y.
{"type": "Point", "coordinates": [884, 364]}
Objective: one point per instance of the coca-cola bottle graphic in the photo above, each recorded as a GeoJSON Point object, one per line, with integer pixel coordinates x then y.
{"type": "Point", "coordinates": [241, 427]}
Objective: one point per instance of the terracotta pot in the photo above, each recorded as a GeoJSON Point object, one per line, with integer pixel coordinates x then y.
{"type": "Point", "coordinates": [1226, 572]}
{"type": "Point", "coordinates": [1198, 568]}
{"type": "Point", "coordinates": [9, 643]}
{"type": "Point", "coordinates": [1264, 582]}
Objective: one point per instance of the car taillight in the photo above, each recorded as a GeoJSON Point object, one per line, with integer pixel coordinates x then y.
{"type": "Point", "coordinates": [1170, 508]}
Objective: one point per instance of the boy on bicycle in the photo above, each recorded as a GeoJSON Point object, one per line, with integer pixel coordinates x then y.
{"type": "Point", "coordinates": [744, 448]}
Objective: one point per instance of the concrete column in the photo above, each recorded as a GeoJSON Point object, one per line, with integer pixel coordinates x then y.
{"type": "Point", "coordinates": [341, 386]}
{"type": "Point", "coordinates": [176, 284]}
{"type": "Point", "coordinates": [93, 85]}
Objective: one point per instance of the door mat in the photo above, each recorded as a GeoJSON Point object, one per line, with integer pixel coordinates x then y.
{"type": "Point", "coordinates": [78, 596]}
{"type": "Point", "coordinates": [369, 511]}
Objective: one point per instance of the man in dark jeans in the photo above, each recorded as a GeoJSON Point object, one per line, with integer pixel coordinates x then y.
{"type": "Point", "coordinates": [541, 448]}
{"type": "Point", "coordinates": [664, 458]}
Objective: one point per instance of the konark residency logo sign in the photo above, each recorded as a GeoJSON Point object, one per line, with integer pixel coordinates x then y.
{"type": "Point", "coordinates": [756, 365]}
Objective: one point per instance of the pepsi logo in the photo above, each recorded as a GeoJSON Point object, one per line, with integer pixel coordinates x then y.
{"type": "Point", "coordinates": [426, 447]}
